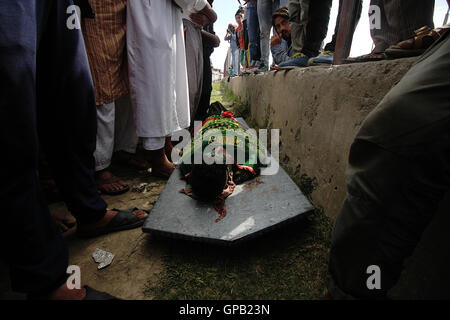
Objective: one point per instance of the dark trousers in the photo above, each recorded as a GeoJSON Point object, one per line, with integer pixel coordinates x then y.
{"type": "Point", "coordinates": [253, 33]}
{"type": "Point", "coordinates": [309, 24]}
{"type": "Point", "coordinates": [331, 46]}
{"type": "Point", "coordinates": [399, 171]}
{"type": "Point", "coordinates": [46, 96]}
{"type": "Point", "coordinates": [206, 86]}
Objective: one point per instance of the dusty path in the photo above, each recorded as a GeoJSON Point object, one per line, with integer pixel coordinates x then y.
{"type": "Point", "coordinates": [289, 263]}
{"type": "Point", "coordinates": [137, 262]}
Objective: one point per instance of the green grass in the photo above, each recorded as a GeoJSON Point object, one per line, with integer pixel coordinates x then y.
{"type": "Point", "coordinates": [230, 100]}
{"type": "Point", "coordinates": [217, 93]}
{"type": "Point", "coordinates": [289, 263]}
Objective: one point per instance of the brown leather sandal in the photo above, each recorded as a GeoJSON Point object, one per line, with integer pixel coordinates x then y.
{"type": "Point", "coordinates": [415, 46]}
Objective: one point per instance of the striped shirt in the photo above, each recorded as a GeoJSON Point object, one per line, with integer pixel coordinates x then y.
{"type": "Point", "coordinates": [105, 42]}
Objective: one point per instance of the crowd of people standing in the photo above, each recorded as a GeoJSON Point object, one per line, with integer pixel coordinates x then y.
{"type": "Point", "coordinates": [300, 27]}
{"type": "Point", "coordinates": [82, 81]}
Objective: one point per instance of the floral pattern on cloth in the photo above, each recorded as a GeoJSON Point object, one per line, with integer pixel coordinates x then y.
{"type": "Point", "coordinates": [239, 140]}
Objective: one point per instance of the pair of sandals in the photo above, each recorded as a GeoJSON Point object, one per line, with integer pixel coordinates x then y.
{"type": "Point", "coordinates": [415, 46]}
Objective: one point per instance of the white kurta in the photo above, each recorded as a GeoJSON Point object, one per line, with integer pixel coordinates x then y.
{"type": "Point", "coordinates": [157, 66]}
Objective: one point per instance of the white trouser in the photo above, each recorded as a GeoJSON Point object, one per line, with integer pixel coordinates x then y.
{"type": "Point", "coordinates": [153, 143]}
{"type": "Point", "coordinates": [116, 131]}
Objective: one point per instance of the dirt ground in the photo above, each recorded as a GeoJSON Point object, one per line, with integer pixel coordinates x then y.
{"type": "Point", "coordinates": [137, 262]}
{"type": "Point", "coordinates": [289, 263]}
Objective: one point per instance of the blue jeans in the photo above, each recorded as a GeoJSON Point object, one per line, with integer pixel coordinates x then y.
{"type": "Point", "coordinates": [235, 61]}
{"type": "Point", "coordinates": [253, 33]}
{"type": "Point", "coordinates": [265, 10]}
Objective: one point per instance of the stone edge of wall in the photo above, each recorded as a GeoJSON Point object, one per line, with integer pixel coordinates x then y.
{"type": "Point", "coordinates": [318, 111]}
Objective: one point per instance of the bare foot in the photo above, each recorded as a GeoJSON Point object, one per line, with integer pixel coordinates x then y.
{"type": "Point", "coordinates": [130, 159]}
{"type": "Point", "coordinates": [107, 183]}
{"type": "Point", "coordinates": [407, 44]}
{"type": "Point", "coordinates": [63, 219]}
{"type": "Point", "coordinates": [169, 149]}
{"type": "Point", "coordinates": [161, 166]}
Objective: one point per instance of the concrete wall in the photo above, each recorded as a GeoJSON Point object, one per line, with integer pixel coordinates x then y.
{"type": "Point", "coordinates": [319, 111]}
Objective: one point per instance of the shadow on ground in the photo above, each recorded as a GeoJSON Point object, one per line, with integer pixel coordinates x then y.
{"type": "Point", "coordinates": [289, 263]}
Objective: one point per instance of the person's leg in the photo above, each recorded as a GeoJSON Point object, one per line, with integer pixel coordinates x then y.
{"type": "Point", "coordinates": [317, 26]}
{"type": "Point", "coordinates": [67, 115]}
{"type": "Point", "coordinates": [327, 55]}
{"type": "Point", "coordinates": [161, 106]}
{"type": "Point", "coordinates": [404, 16]}
{"type": "Point", "coordinates": [298, 20]}
{"type": "Point", "coordinates": [155, 151]}
{"type": "Point", "coordinates": [125, 129]}
{"type": "Point", "coordinates": [194, 59]}
{"type": "Point", "coordinates": [206, 89]}
{"type": "Point", "coordinates": [106, 182]}
{"type": "Point", "coordinates": [235, 61]}
{"type": "Point", "coordinates": [265, 25]}
{"type": "Point", "coordinates": [253, 35]}
{"type": "Point", "coordinates": [242, 58]}
{"type": "Point", "coordinates": [332, 44]}
{"type": "Point", "coordinates": [247, 57]}
{"type": "Point", "coordinates": [30, 241]}
{"type": "Point", "coordinates": [105, 136]}
{"type": "Point", "coordinates": [228, 63]}
{"type": "Point", "coordinates": [68, 132]}
{"type": "Point", "coordinates": [380, 32]}
{"type": "Point", "coordinates": [399, 170]}
{"type": "Point", "coordinates": [299, 12]}
{"type": "Point", "coordinates": [399, 19]}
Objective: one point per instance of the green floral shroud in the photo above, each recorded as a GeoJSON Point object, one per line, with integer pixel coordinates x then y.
{"type": "Point", "coordinates": [235, 138]}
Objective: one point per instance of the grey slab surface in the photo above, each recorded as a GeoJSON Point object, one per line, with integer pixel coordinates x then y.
{"type": "Point", "coordinates": [256, 206]}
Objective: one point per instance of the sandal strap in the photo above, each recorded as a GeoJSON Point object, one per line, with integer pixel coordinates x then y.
{"type": "Point", "coordinates": [424, 37]}
{"type": "Point", "coordinates": [123, 215]}
{"type": "Point", "coordinates": [422, 30]}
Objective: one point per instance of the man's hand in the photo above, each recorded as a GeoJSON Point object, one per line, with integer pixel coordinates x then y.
{"type": "Point", "coordinates": [204, 17]}
{"type": "Point", "coordinates": [210, 39]}
{"type": "Point", "coordinates": [199, 19]}
{"type": "Point", "coordinates": [275, 40]}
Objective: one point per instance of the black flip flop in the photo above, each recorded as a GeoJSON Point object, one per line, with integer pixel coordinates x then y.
{"type": "Point", "coordinates": [115, 224]}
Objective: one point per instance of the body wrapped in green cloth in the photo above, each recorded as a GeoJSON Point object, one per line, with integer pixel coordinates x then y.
{"type": "Point", "coordinates": [222, 139]}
